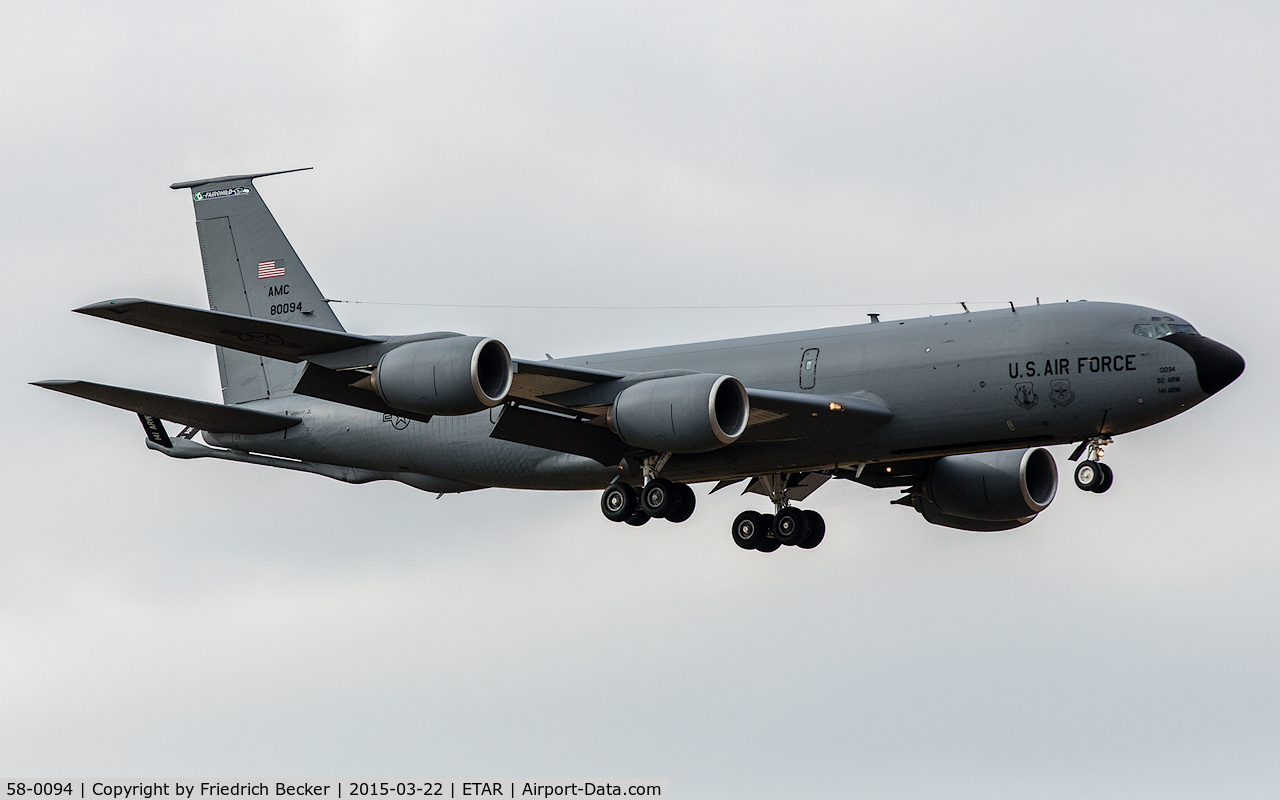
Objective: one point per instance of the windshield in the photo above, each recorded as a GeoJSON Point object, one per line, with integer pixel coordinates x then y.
{"type": "Point", "coordinates": [1157, 330]}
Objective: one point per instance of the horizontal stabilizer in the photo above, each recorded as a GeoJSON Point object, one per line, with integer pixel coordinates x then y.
{"type": "Point", "coordinates": [282, 340]}
{"type": "Point", "coordinates": [195, 413]}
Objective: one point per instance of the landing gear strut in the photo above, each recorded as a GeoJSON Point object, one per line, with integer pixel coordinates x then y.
{"type": "Point", "coordinates": [787, 525]}
{"type": "Point", "coordinates": [1092, 475]}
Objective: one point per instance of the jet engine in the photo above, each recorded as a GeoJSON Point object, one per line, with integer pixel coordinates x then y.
{"type": "Point", "coordinates": [988, 491]}
{"type": "Point", "coordinates": [453, 376]}
{"type": "Point", "coordinates": [683, 414]}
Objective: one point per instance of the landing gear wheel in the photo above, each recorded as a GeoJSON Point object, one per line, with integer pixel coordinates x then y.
{"type": "Point", "coordinates": [749, 530]}
{"type": "Point", "coordinates": [618, 502]}
{"type": "Point", "coordinates": [817, 529]}
{"type": "Point", "coordinates": [1107, 478]}
{"type": "Point", "coordinates": [638, 518]}
{"type": "Point", "coordinates": [790, 526]}
{"type": "Point", "coordinates": [768, 545]}
{"type": "Point", "coordinates": [1089, 475]}
{"type": "Point", "coordinates": [659, 497]}
{"type": "Point", "coordinates": [687, 502]}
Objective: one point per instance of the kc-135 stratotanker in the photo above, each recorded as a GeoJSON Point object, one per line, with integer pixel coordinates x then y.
{"type": "Point", "coordinates": [954, 410]}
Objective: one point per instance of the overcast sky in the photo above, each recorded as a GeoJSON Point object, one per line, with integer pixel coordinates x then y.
{"type": "Point", "coordinates": [206, 620]}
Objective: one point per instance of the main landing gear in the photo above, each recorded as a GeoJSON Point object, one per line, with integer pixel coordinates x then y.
{"type": "Point", "coordinates": [1092, 475]}
{"type": "Point", "coordinates": [767, 532]}
{"type": "Point", "coordinates": [786, 526]}
{"type": "Point", "coordinates": [660, 498]}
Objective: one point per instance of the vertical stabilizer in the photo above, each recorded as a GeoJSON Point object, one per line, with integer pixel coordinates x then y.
{"type": "Point", "coordinates": [251, 269]}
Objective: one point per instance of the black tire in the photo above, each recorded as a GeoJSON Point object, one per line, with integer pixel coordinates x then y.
{"type": "Point", "coordinates": [817, 530]}
{"type": "Point", "coordinates": [637, 519]}
{"type": "Point", "coordinates": [749, 530]}
{"type": "Point", "coordinates": [659, 497]}
{"type": "Point", "coordinates": [768, 544]}
{"type": "Point", "coordinates": [790, 526]}
{"type": "Point", "coordinates": [1088, 475]}
{"type": "Point", "coordinates": [618, 502]}
{"type": "Point", "coordinates": [1108, 477]}
{"type": "Point", "coordinates": [688, 500]}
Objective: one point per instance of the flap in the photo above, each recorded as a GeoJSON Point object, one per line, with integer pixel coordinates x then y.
{"type": "Point", "coordinates": [195, 413]}
{"type": "Point", "coordinates": [263, 337]}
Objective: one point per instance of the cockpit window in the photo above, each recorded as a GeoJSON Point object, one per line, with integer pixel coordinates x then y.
{"type": "Point", "coordinates": [1158, 330]}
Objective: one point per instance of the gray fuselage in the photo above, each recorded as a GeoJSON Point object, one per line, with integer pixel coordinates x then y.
{"type": "Point", "coordinates": [960, 383]}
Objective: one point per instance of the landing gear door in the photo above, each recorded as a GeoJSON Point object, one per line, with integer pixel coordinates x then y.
{"type": "Point", "coordinates": [809, 368]}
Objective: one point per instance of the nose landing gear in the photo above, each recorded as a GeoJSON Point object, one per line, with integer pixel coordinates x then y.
{"type": "Point", "coordinates": [1092, 475]}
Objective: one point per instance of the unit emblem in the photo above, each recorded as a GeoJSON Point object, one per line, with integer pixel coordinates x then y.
{"type": "Point", "coordinates": [1024, 394]}
{"type": "Point", "coordinates": [1060, 393]}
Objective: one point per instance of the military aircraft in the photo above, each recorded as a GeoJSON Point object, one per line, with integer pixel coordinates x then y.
{"type": "Point", "coordinates": [953, 410]}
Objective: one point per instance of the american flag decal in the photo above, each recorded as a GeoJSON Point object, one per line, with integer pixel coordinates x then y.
{"type": "Point", "coordinates": [268, 269]}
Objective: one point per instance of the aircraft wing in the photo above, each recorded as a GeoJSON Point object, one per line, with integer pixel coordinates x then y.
{"type": "Point", "coordinates": [195, 413]}
{"type": "Point", "coordinates": [586, 393]}
{"type": "Point", "coordinates": [263, 337]}
{"type": "Point", "coordinates": [787, 416]}
{"type": "Point", "coordinates": [540, 380]}
{"type": "Point", "coordinates": [339, 387]}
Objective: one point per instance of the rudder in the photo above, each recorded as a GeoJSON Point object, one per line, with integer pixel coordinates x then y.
{"type": "Point", "coordinates": [251, 269]}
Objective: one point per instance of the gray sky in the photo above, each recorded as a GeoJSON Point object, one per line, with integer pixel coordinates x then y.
{"type": "Point", "coordinates": [205, 620]}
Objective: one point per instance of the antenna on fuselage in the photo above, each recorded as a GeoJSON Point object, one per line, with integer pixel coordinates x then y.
{"type": "Point", "coordinates": [874, 317]}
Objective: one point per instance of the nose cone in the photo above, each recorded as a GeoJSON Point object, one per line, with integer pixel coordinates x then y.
{"type": "Point", "coordinates": [1216, 364]}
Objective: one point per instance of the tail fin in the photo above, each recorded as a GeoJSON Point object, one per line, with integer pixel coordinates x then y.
{"type": "Point", "coordinates": [251, 269]}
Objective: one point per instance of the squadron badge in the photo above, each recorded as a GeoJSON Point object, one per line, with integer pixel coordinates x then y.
{"type": "Point", "coordinates": [1024, 394]}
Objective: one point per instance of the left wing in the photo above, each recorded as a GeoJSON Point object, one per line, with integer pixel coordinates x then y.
{"type": "Point", "coordinates": [789, 416]}
{"type": "Point", "coordinates": [559, 407]}
{"type": "Point", "coordinates": [545, 381]}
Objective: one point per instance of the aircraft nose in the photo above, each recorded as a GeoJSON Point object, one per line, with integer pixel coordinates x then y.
{"type": "Point", "coordinates": [1216, 364]}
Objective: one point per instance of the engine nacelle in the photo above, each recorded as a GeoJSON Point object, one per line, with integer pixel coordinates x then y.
{"type": "Point", "coordinates": [453, 376]}
{"type": "Point", "coordinates": [932, 515]}
{"type": "Point", "coordinates": [683, 414]}
{"type": "Point", "coordinates": [1009, 486]}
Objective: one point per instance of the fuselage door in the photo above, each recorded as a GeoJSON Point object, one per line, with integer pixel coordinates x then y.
{"type": "Point", "coordinates": [809, 368]}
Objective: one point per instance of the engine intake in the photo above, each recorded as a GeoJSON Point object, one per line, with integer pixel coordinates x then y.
{"type": "Point", "coordinates": [450, 377]}
{"type": "Point", "coordinates": [1009, 486]}
{"type": "Point", "coordinates": [683, 414]}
